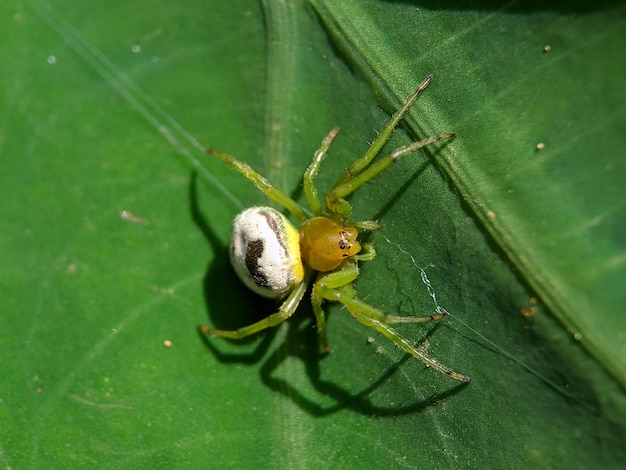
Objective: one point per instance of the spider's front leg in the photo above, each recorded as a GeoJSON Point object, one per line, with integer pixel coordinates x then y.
{"type": "Point", "coordinates": [362, 170]}
{"type": "Point", "coordinates": [308, 183]}
{"type": "Point", "coordinates": [285, 311]}
{"type": "Point", "coordinates": [337, 286]}
{"type": "Point", "coordinates": [336, 197]}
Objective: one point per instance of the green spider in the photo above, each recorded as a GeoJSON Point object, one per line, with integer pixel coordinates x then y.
{"type": "Point", "coordinates": [277, 261]}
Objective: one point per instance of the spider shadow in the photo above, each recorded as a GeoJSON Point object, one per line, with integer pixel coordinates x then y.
{"type": "Point", "coordinates": [219, 284]}
{"type": "Point", "coordinates": [300, 343]}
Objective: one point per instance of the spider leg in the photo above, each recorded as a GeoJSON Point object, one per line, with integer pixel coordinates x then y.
{"type": "Point", "coordinates": [310, 191]}
{"type": "Point", "coordinates": [262, 184]}
{"type": "Point", "coordinates": [368, 252]}
{"type": "Point", "coordinates": [357, 166]}
{"type": "Point", "coordinates": [320, 319]}
{"type": "Point", "coordinates": [285, 311]}
{"type": "Point", "coordinates": [335, 198]}
{"type": "Point", "coordinates": [337, 287]}
{"type": "Point", "coordinates": [367, 225]}
{"type": "Point", "coordinates": [417, 351]}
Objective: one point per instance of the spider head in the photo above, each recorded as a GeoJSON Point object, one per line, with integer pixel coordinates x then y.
{"type": "Point", "coordinates": [324, 244]}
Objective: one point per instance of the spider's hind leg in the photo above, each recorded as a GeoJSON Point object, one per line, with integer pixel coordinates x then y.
{"type": "Point", "coordinates": [261, 183]}
{"type": "Point", "coordinates": [337, 287]}
{"type": "Point", "coordinates": [286, 310]}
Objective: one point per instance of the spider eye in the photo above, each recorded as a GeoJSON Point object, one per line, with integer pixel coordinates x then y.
{"type": "Point", "coordinates": [345, 242]}
{"type": "Point", "coordinates": [265, 252]}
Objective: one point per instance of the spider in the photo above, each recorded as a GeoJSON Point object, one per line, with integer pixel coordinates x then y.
{"type": "Point", "coordinates": [277, 261]}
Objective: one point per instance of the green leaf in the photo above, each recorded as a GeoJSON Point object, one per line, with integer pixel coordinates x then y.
{"type": "Point", "coordinates": [116, 230]}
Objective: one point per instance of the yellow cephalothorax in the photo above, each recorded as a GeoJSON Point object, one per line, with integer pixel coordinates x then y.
{"type": "Point", "coordinates": [277, 260]}
{"type": "Point", "coordinates": [324, 244]}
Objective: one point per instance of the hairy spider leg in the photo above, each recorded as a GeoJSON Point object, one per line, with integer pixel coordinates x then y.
{"type": "Point", "coordinates": [368, 252]}
{"type": "Point", "coordinates": [286, 310]}
{"type": "Point", "coordinates": [337, 287]}
{"type": "Point", "coordinates": [262, 184]}
{"type": "Point", "coordinates": [310, 191]}
{"type": "Point", "coordinates": [335, 198]}
{"type": "Point", "coordinates": [357, 166]}
{"type": "Point", "coordinates": [340, 208]}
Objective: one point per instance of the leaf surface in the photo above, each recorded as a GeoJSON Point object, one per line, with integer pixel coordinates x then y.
{"type": "Point", "coordinates": [116, 229]}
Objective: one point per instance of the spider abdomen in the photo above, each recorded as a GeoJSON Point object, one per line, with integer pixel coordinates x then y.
{"type": "Point", "coordinates": [265, 252]}
{"type": "Point", "coordinates": [324, 243]}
